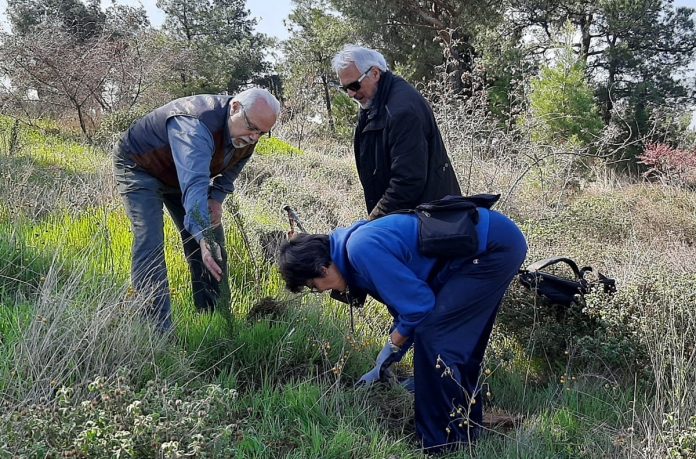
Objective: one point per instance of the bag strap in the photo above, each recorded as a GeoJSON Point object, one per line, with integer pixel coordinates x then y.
{"type": "Point", "coordinates": [541, 264]}
{"type": "Point", "coordinates": [454, 202]}
{"type": "Point", "coordinates": [485, 200]}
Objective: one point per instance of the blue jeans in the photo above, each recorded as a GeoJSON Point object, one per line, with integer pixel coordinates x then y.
{"type": "Point", "coordinates": [145, 197]}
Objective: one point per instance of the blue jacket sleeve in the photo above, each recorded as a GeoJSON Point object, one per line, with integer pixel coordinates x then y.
{"type": "Point", "coordinates": [382, 260]}
{"type": "Point", "coordinates": [223, 184]}
{"type": "Point", "coordinates": [192, 149]}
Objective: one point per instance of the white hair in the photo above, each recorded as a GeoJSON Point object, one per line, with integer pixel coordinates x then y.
{"type": "Point", "coordinates": [250, 96]}
{"type": "Point", "coordinates": [362, 57]}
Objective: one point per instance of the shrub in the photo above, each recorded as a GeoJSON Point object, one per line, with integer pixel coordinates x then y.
{"type": "Point", "coordinates": [271, 146]}
{"type": "Point", "coordinates": [669, 165]}
{"type": "Point", "coordinates": [628, 332]}
{"type": "Point", "coordinates": [679, 439]}
{"type": "Point", "coordinates": [115, 124]}
{"type": "Point", "coordinates": [115, 420]}
{"type": "Point", "coordinates": [562, 103]}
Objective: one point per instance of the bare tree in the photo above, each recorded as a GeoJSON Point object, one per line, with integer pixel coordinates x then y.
{"type": "Point", "coordinates": [53, 74]}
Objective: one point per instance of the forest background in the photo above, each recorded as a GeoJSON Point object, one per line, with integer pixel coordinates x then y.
{"type": "Point", "coordinates": [576, 111]}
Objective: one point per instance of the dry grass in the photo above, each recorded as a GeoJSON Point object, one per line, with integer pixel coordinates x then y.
{"type": "Point", "coordinates": [78, 332]}
{"type": "Point", "coordinates": [569, 205]}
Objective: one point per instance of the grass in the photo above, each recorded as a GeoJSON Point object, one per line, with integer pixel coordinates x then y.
{"type": "Point", "coordinates": [273, 146]}
{"type": "Point", "coordinates": [83, 374]}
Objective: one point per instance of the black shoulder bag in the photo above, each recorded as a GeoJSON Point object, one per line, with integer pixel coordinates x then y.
{"type": "Point", "coordinates": [447, 226]}
{"type": "Point", "coordinates": [562, 290]}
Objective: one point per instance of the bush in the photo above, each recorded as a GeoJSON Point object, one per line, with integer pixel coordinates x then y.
{"type": "Point", "coordinates": [114, 420]}
{"type": "Point", "coordinates": [669, 165]}
{"type": "Point", "coordinates": [625, 332]}
{"type": "Point", "coordinates": [116, 123]}
{"type": "Point", "coordinates": [562, 104]}
{"type": "Point", "coordinates": [271, 146]}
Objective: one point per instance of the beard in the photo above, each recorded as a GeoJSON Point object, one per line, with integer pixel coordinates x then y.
{"type": "Point", "coordinates": [365, 104]}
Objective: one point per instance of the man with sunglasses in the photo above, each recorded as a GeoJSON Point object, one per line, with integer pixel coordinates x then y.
{"type": "Point", "coordinates": [185, 156]}
{"type": "Point", "coordinates": [399, 153]}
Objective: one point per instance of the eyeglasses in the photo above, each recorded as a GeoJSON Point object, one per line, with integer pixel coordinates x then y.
{"type": "Point", "coordinates": [355, 85]}
{"type": "Point", "coordinates": [251, 127]}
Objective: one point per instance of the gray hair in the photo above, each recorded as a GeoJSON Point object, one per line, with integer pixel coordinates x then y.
{"type": "Point", "coordinates": [250, 96]}
{"type": "Point", "coordinates": [363, 58]}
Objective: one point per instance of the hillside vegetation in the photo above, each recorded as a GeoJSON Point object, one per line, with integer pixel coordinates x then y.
{"type": "Point", "coordinates": [576, 112]}
{"type": "Point", "coordinates": [81, 375]}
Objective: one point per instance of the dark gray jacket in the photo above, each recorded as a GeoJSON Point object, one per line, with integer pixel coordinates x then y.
{"type": "Point", "coordinates": [399, 153]}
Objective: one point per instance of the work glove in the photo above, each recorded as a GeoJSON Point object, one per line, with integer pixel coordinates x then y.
{"type": "Point", "coordinates": [389, 354]}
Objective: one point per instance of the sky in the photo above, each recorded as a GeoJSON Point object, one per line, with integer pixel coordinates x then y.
{"type": "Point", "coordinates": [270, 13]}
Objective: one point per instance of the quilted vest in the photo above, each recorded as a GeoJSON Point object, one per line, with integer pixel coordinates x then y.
{"type": "Point", "coordinates": [147, 144]}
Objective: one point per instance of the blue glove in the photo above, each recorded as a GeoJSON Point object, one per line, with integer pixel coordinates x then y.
{"type": "Point", "coordinates": [389, 354]}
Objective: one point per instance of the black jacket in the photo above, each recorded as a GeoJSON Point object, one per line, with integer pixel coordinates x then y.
{"type": "Point", "coordinates": [399, 153]}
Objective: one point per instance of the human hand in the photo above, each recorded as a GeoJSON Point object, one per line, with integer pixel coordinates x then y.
{"type": "Point", "coordinates": [215, 211]}
{"type": "Point", "coordinates": [386, 357]}
{"type": "Point", "coordinates": [210, 253]}
{"type": "Point", "coordinates": [368, 378]}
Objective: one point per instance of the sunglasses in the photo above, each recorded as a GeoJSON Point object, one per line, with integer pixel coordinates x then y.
{"type": "Point", "coordinates": [355, 85]}
{"type": "Point", "coordinates": [251, 127]}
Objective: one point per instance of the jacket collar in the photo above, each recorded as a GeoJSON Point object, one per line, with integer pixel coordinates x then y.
{"type": "Point", "coordinates": [375, 113]}
{"type": "Point", "coordinates": [338, 241]}
{"type": "Point", "coordinates": [228, 132]}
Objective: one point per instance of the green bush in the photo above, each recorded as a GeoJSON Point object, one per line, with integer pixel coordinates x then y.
{"type": "Point", "coordinates": [345, 114]}
{"type": "Point", "coordinates": [620, 332]}
{"type": "Point", "coordinates": [562, 103]}
{"type": "Point", "coordinates": [270, 146]}
{"type": "Point", "coordinates": [544, 329]}
{"type": "Point", "coordinates": [679, 438]}
{"type": "Point", "coordinates": [116, 123]}
{"type": "Point", "coordinates": [115, 420]}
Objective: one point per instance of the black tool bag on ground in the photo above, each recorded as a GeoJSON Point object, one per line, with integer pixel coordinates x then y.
{"type": "Point", "coordinates": [448, 225]}
{"type": "Point", "coordinates": [563, 290]}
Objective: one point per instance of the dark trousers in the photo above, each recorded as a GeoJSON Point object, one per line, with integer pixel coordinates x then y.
{"type": "Point", "coordinates": [450, 343]}
{"type": "Point", "coordinates": [145, 197]}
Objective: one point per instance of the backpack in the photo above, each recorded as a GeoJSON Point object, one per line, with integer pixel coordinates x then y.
{"type": "Point", "coordinates": [447, 226]}
{"type": "Point", "coordinates": [562, 290]}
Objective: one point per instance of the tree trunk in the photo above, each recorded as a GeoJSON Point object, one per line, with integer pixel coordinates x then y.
{"type": "Point", "coordinates": [327, 101]}
{"type": "Point", "coordinates": [608, 104]}
{"type": "Point", "coordinates": [81, 117]}
{"type": "Point", "coordinates": [459, 61]}
{"type": "Point", "coordinates": [586, 38]}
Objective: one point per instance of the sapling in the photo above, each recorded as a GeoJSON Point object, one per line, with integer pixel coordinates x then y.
{"type": "Point", "coordinates": [224, 299]}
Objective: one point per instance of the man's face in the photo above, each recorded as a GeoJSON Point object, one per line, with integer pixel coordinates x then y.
{"type": "Point", "coordinates": [247, 125]}
{"type": "Point", "coordinates": [331, 279]}
{"type": "Point", "coordinates": [368, 83]}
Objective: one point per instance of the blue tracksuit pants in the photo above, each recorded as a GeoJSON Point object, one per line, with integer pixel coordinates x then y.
{"type": "Point", "coordinates": [450, 343]}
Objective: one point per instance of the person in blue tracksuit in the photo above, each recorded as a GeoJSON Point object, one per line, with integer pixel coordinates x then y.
{"type": "Point", "coordinates": [445, 308]}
